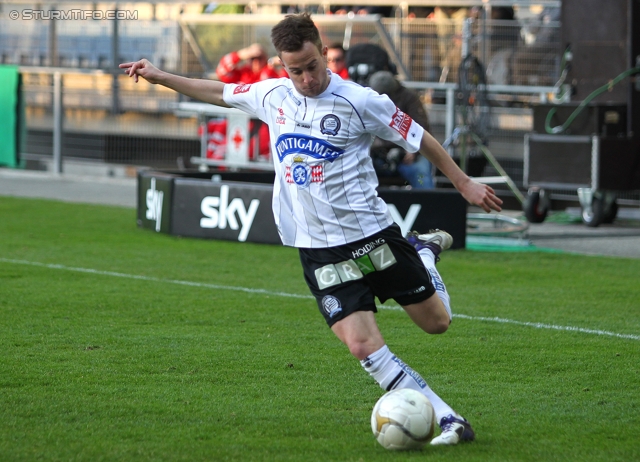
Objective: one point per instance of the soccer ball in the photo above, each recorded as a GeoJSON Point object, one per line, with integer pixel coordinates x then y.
{"type": "Point", "coordinates": [403, 419]}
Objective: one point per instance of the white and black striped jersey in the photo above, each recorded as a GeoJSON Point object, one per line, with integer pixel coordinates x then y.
{"type": "Point", "coordinates": [325, 187]}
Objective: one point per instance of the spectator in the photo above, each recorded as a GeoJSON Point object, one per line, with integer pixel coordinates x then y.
{"type": "Point", "coordinates": [363, 59]}
{"type": "Point", "coordinates": [336, 60]}
{"type": "Point", "coordinates": [385, 11]}
{"type": "Point", "coordinates": [423, 45]}
{"type": "Point", "coordinates": [388, 158]}
{"type": "Point", "coordinates": [248, 65]}
{"type": "Point", "coordinates": [420, 12]}
{"type": "Point", "coordinates": [503, 34]}
{"type": "Point", "coordinates": [449, 22]}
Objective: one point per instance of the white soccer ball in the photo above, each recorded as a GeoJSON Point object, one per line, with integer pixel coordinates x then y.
{"type": "Point", "coordinates": [403, 419]}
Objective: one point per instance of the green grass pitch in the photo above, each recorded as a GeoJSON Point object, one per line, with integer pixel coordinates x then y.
{"type": "Point", "coordinates": [120, 344]}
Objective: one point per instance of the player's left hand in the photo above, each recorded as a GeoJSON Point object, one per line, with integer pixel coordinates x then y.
{"type": "Point", "coordinates": [481, 195]}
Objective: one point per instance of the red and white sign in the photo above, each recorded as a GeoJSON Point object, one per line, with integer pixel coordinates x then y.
{"type": "Point", "coordinates": [401, 122]}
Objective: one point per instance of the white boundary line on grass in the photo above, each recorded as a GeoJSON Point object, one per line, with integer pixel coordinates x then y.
{"type": "Point", "coordinates": [536, 325]}
{"type": "Point", "coordinates": [154, 279]}
{"type": "Point", "coordinates": [540, 325]}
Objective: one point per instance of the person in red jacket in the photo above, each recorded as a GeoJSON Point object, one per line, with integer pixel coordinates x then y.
{"type": "Point", "coordinates": [337, 61]}
{"type": "Point", "coordinates": [248, 65]}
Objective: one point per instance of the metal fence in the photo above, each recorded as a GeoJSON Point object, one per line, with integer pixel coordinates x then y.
{"type": "Point", "coordinates": [514, 52]}
{"type": "Point", "coordinates": [105, 117]}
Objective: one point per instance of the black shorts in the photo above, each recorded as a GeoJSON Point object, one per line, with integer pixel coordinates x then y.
{"type": "Point", "coordinates": [347, 278]}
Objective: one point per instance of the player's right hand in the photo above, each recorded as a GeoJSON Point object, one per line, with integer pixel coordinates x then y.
{"type": "Point", "coordinates": [142, 68]}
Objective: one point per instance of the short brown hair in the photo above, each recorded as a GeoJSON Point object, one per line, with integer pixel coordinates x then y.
{"type": "Point", "coordinates": [293, 31]}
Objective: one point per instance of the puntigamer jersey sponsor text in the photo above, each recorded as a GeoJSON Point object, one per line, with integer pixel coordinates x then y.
{"type": "Point", "coordinates": [325, 189]}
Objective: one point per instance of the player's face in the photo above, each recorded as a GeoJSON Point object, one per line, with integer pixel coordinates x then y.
{"type": "Point", "coordinates": [307, 69]}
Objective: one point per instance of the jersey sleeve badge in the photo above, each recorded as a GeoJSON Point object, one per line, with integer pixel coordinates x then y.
{"type": "Point", "coordinates": [401, 122]}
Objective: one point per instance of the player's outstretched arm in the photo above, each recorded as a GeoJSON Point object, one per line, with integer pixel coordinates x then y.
{"type": "Point", "coordinates": [209, 91]}
{"type": "Point", "coordinates": [475, 193]}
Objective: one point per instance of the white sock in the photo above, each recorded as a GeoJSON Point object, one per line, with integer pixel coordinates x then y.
{"type": "Point", "coordinates": [392, 373]}
{"type": "Point", "coordinates": [429, 261]}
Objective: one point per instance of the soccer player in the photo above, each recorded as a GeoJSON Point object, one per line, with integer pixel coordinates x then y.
{"type": "Point", "coordinates": [325, 201]}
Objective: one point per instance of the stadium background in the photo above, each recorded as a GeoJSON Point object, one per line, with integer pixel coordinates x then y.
{"type": "Point", "coordinates": [108, 120]}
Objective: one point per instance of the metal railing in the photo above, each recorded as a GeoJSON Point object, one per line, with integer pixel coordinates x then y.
{"type": "Point", "coordinates": [52, 96]}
